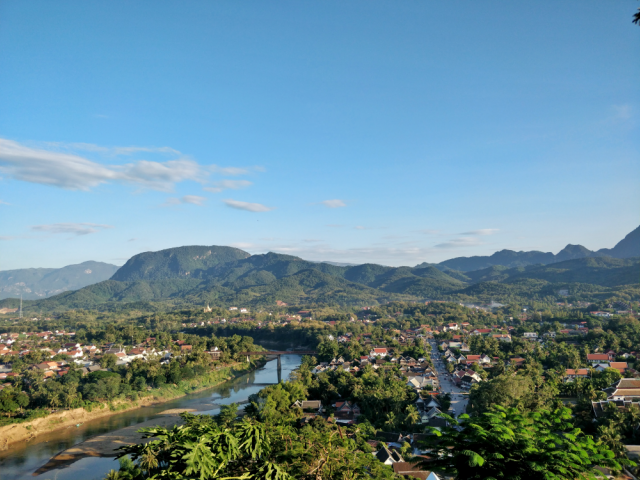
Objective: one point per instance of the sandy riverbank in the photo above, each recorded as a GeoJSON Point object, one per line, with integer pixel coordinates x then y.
{"type": "Point", "coordinates": [106, 445]}
{"type": "Point", "coordinates": [19, 432]}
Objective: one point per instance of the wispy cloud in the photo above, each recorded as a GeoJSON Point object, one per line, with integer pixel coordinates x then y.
{"type": "Point", "coordinates": [2, 202]}
{"type": "Point", "coordinates": [227, 185]}
{"type": "Point", "coordinates": [459, 242]}
{"type": "Point", "coordinates": [335, 225]}
{"type": "Point", "coordinates": [73, 228]}
{"type": "Point", "coordinates": [73, 172]}
{"type": "Point", "coordinates": [233, 171]}
{"type": "Point", "coordinates": [187, 199]}
{"type": "Point", "coordinates": [113, 151]}
{"type": "Point", "coordinates": [482, 231]}
{"type": "Point", "coordinates": [249, 207]}
{"type": "Point", "coordinates": [334, 203]}
{"type": "Point", "coordinates": [429, 232]}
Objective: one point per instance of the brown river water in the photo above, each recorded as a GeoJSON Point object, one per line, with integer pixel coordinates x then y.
{"type": "Point", "coordinates": [22, 460]}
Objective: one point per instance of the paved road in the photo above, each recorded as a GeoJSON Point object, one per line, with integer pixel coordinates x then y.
{"type": "Point", "coordinates": [459, 397]}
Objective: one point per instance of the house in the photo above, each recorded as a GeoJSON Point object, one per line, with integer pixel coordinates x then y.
{"type": "Point", "coordinates": [502, 337]}
{"type": "Point", "coordinates": [388, 457]}
{"type": "Point", "coordinates": [185, 348]}
{"type": "Point", "coordinates": [412, 470]}
{"type": "Point", "coordinates": [625, 389]}
{"type": "Point", "coordinates": [470, 379]}
{"type": "Point", "coordinates": [214, 353]}
{"type": "Point", "coordinates": [530, 335]}
{"type": "Point", "coordinates": [378, 352]}
{"type": "Point", "coordinates": [620, 366]}
{"type": "Point", "coordinates": [312, 406]}
{"type": "Point", "coordinates": [420, 382]}
{"type": "Point", "coordinates": [481, 331]}
{"type": "Point", "coordinates": [598, 358]}
{"type": "Point", "coordinates": [602, 314]}
{"type": "Point", "coordinates": [453, 326]}
{"type": "Point", "coordinates": [347, 410]}
{"type": "Point", "coordinates": [571, 374]}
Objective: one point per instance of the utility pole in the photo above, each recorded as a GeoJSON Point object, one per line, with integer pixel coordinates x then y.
{"type": "Point", "coordinates": [20, 305]}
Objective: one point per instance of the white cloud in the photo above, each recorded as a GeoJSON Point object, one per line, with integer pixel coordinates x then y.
{"type": "Point", "coordinates": [482, 231]}
{"type": "Point", "coordinates": [460, 242]}
{"type": "Point", "coordinates": [73, 172]}
{"type": "Point", "coordinates": [2, 202]}
{"type": "Point", "coordinates": [73, 228]}
{"type": "Point", "coordinates": [429, 232]}
{"type": "Point", "coordinates": [229, 170]}
{"type": "Point", "coordinates": [333, 203]}
{"type": "Point", "coordinates": [190, 199]}
{"type": "Point", "coordinates": [250, 207]}
{"type": "Point", "coordinates": [242, 245]}
{"type": "Point", "coordinates": [227, 184]}
{"type": "Point", "coordinates": [115, 151]}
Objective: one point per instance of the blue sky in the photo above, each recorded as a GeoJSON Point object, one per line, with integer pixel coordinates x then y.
{"type": "Point", "coordinates": [361, 131]}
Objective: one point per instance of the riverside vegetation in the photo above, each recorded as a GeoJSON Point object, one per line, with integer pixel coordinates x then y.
{"type": "Point", "coordinates": [276, 439]}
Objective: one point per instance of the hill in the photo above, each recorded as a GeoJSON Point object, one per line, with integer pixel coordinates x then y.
{"type": "Point", "coordinates": [35, 283]}
{"type": "Point", "coordinates": [180, 262]}
{"type": "Point", "coordinates": [224, 275]}
{"type": "Point", "coordinates": [629, 247]}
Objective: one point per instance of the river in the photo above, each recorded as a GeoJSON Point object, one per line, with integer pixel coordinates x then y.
{"type": "Point", "coordinates": [21, 460]}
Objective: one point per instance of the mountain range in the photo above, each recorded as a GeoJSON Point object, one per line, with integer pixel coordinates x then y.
{"type": "Point", "coordinates": [222, 275]}
{"type": "Point", "coordinates": [35, 283]}
{"type": "Point", "coordinates": [628, 247]}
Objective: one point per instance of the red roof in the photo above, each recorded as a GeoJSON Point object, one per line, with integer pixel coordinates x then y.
{"type": "Point", "coordinates": [380, 350]}
{"type": "Point", "coordinates": [597, 356]}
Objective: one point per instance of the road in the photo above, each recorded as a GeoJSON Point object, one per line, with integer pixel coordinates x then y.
{"type": "Point", "coordinates": [459, 396]}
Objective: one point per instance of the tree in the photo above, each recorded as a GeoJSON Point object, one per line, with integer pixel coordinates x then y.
{"type": "Point", "coordinates": [505, 390]}
{"type": "Point", "coordinates": [108, 361]}
{"type": "Point", "coordinates": [505, 443]}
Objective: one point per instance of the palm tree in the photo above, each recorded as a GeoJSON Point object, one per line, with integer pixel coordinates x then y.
{"type": "Point", "coordinates": [412, 415]}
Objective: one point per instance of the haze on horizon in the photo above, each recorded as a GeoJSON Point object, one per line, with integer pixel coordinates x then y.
{"type": "Point", "coordinates": [384, 132]}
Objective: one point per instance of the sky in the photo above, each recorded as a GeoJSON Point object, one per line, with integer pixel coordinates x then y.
{"type": "Point", "coordinates": [392, 132]}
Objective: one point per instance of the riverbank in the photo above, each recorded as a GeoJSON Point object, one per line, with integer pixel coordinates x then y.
{"type": "Point", "coordinates": [27, 431]}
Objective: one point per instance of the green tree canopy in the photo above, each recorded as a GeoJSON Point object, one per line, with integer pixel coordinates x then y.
{"type": "Point", "coordinates": [505, 443]}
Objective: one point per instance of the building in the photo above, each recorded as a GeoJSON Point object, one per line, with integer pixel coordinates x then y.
{"type": "Point", "coordinates": [378, 352]}
{"type": "Point", "coordinates": [598, 358]}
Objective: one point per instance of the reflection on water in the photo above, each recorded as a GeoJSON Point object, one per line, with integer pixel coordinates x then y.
{"type": "Point", "coordinates": [21, 460]}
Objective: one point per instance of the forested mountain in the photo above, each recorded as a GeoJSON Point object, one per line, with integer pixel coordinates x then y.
{"type": "Point", "coordinates": [34, 283]}
{"type": "Point", "coordinates": [254, 280]}
{"type": "Point", "coordinates": [180, 262]}
{"type": "Point", "coordinates": [629, 247]}
{"type": "Point", "coordinates": [225, 275]}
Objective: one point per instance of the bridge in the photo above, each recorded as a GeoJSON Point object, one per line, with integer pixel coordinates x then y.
{"type": "Point", "coordinates": [278, 354]}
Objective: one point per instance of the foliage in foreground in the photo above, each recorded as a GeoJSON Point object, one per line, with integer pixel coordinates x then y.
{"type": "Point", "coordinates": [505, 443]}
{"type": "Point", "coordinates": [221, 448]}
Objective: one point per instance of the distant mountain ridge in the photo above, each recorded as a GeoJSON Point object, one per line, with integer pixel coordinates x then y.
{"type": "Point", "coordinates": [628, 247]}
{"type": "Point", "coordinates": [226, 275]}
{"type": "Point", "coordinates": [35, 283]}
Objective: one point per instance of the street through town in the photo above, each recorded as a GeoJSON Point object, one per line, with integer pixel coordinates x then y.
{"type": "Point", "coordinates": [459, 396]}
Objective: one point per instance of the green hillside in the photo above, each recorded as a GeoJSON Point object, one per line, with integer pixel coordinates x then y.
{"type": "Point", "coordinates": [224, 276]}
{"type": "Point", "coordinates": [180, 262]}
{"type": "Point", "coordinates": [36, 283]}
